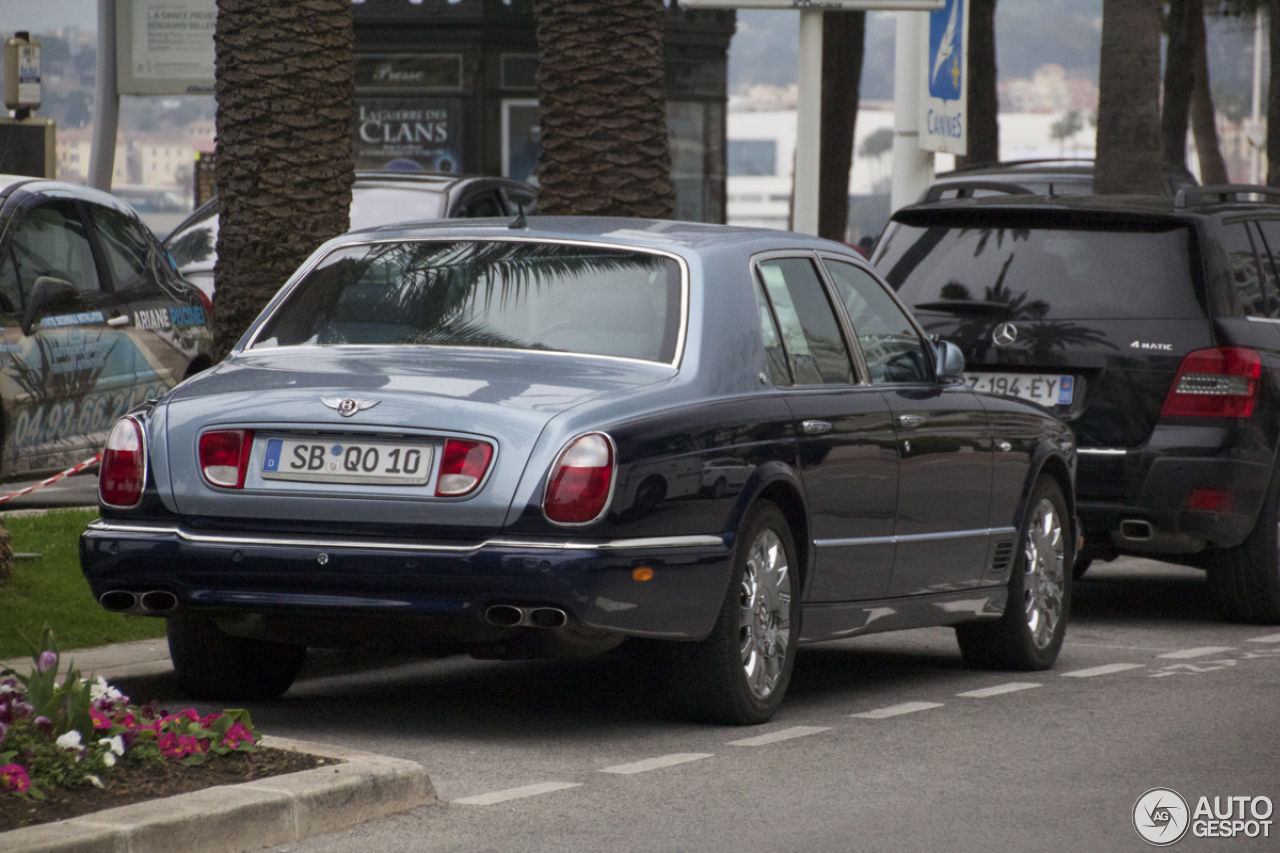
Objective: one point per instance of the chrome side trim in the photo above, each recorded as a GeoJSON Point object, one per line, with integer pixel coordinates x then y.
{"type": "Point", "coordinates": [650, 542]}
{"type": "Point", "coordinates": [1262, 320]}
{"type": "Point", "coordinates": [915, 537]}
{"type": "Point", "coordinates": [1101, 451]}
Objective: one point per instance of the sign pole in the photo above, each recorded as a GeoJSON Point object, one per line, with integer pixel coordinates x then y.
{"type": "Point", "coordinates": [808, 123]}
{"type": "Point", "coordinates": [106, 101]}
{"type": "Point", "coordinates": [912, 166]}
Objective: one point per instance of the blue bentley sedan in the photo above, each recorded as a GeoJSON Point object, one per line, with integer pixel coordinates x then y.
{"type": "Point", "coordinates": [546, 437]}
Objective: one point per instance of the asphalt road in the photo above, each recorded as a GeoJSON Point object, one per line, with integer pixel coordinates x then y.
{"type": "Point", "coordinates": [885, 743]}
{"type": "Point", "coordinates": [77, 490]}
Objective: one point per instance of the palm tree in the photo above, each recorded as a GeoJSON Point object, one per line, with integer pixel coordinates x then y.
{"type": "Point", "coordinates": [983, 143]}
{"type": "Point", "coordinates": [602, 93]}
{"type": "Point", "coordinates": [1186, 93]}
{"type": "Point", "coordinates": [1129, 154]}
{"type": "Point", "coordinates": [285, 88]}
{"type": "Point", "coordinates": [843, 38]}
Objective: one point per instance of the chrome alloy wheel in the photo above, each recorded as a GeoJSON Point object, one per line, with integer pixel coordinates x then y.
{"type": "Point", "coordinates": [1044, 579]}
{"type": "Point", "coordinates": [764, 614]}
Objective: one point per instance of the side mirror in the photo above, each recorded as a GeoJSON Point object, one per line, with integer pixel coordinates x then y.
{"type": "Point", "coordinates": [950, 361]}
{"type": "Point", "coordinates": [48, 292]}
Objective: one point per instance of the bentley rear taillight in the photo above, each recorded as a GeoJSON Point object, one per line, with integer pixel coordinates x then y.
{"type": "Point", "coordinates": [581, 481]}
{"type": "Point", "coordinates": [123, 472]}
{"type": "Point", "coordinates": [224, 456]}
{"type": "Point", "coordinates": [1215, 383]}
{"type": "Point", "coordinates": [462, 467]}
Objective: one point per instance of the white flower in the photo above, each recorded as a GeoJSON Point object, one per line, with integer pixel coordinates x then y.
{"type": "Point", "coordinates": [100, 689]}
{"type": "Point", "coordinates": [71, 740]}
{"type": "Point", "coordinates": [109, 759]}
{"type": "Point", "coordinates": [94, 779]}
{"type": "Point", "coordinates": [114, 744]}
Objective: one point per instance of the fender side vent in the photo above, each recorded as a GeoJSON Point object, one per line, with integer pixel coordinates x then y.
{"type": "Point", "coordinates": [1001, 557]}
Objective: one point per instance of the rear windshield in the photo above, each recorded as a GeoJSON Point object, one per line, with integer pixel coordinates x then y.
{"type": "Point", "coordinates": [492, 295]}
{"type": "Point", "coordinates": [1042, 272]}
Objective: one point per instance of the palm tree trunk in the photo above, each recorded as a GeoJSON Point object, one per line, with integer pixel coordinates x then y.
{"type": "Point", "coordinates": [602, 92]}
{"type": "Point", "coordinates": [1273, 98]}
{"type": "Point", "coordinates": [1179, 78]}
{"type": "Point", "coordinates": [1213, 170]}
{"type": "Point", "coordinates": [1129, 156]}
{"type": "Point", "coordinates": [984, 100]}
{"type": "Point", "coordinates": [285, 88]}
{"type": "Point", "coordinates": [843, 37]}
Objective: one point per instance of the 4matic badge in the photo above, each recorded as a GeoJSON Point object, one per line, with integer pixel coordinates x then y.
{"type": "Point", "coordinates": [1146, 345]}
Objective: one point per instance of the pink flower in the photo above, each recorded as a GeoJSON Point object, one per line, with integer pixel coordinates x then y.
{"type": "Point", "coordinates": [173, 745]}
{"type": "Point", "coordinates": [48, 660]}
{"type": "Point", "coordinates": [14, 778]}
{"type": "Point", "coordinates": [100, 720]}
{"type": "Point", "coordinates": [236, 735]}
{"type": "Point", "coordinates": [45, 725]}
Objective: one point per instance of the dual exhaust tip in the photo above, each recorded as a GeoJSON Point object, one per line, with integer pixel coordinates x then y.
{"type": "Point", "coordinates": [124, 601]}
{"type": "Point", "coordinates": [511, 616]}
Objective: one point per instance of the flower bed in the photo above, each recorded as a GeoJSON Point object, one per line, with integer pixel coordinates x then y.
{"type": "Point", "coordinates": [58, 736]}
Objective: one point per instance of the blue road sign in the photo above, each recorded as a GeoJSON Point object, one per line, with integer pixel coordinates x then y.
{"type": "Point", "coordinates": [946, 51]}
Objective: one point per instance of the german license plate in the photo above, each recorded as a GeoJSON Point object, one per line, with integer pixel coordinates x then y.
{"type": "Point", "coordinates": [1047, 389]}
{"type": "Point", "coordinates": [341, 461]}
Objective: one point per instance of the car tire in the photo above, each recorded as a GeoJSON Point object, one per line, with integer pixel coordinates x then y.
{"type": "Point", "coordinates": [1029, 635]}
{"type": "Point", "coordinates": [214, 665]}
{"type": "Point", "coordinates": [739, 674]}
{"type": "Point", "coordinates": [1244, 581]}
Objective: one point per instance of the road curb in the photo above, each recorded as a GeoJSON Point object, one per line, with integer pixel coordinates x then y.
{"type": "Point", "coordinates": [250, 816]}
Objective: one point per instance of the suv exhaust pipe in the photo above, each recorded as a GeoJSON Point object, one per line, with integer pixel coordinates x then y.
{"type": "Point", "coordinates": [1136, 530]}
{"type": "Point", "coordinates": [124, 601]}
{"type": "Point", "coordinates": [511, 616]}
{"type": "Point", "coordinates": [118, 601]}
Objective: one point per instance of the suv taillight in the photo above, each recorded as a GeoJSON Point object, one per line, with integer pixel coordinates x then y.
{"type": "Point", "coordinates": [462, 467]}
{"type": "Point", "coordinates": [580, 481]}
{"type": "Point", "coordinates": [123, 472]}
{"type": "Point", "coordinates": [1215, 383]}
{"type": "Point", "coordinates": [224, 456]}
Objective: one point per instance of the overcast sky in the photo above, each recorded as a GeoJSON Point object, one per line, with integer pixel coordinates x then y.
{"type": "Point", "coordinates": [39, 15]}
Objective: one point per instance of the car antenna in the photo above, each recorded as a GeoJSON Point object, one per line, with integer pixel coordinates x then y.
{"type": "Point", "coordinates": [1051, 189]}
{"type": "Point", "coordinates": [519, 221]}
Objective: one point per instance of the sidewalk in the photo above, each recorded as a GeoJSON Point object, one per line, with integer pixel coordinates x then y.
{"type": "Point", "coordinates": [230, 818]}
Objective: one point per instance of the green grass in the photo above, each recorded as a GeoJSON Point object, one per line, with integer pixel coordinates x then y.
{"type": "Point", "coordinates": [52, 590]}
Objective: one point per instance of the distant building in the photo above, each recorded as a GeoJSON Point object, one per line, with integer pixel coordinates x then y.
{"type": "Point", "coordinates": [1048, 91]}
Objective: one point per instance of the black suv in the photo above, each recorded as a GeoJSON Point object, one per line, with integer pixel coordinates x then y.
{"type": "Point", "coordinates": [1152, 326]}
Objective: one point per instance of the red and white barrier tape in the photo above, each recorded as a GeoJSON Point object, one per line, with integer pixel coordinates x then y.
{"type": "Point", "coordinates": [74, 469]}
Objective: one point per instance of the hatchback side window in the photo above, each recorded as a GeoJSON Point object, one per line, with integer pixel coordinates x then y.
{"type": "Point", "coordinates": [892, 347]}
{"type": "Point", "coordinates": [126, 243]}
{"type": "Point", "coordinates": [482, 205]}
{"type": "Point", "coordinates": [50, 240]}
{"type": "Point", "coordinates": [1246, 273]}
{"type": "Point", "coordinates": [1268, 248]}
{"type": "Point", "coordinates": [810, 332]}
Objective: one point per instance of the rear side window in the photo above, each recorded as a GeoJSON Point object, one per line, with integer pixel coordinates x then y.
{"type": "Point", "coordinates": [810, 332]}
{"type": "Point", "coordinates": [1042, 273]}
{"type": "Point", "coordinates": [488, 295]}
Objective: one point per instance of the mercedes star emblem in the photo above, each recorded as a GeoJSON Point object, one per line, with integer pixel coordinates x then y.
{"type": "Point", "coordinates": [347, 408]}
{"type": "Point", "coordinates": [1005, 334]}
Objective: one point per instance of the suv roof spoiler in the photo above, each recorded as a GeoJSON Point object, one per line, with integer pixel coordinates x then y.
{"type": "Point", "coordinates": [965, 189]}
{"type": "Point", "coordinates": [1223, 193]}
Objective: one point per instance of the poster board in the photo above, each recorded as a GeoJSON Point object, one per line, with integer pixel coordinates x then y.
{"type": "Point", "coordinates": [165, 47]}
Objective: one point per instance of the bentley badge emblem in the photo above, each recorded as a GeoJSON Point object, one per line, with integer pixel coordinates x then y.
{"type": "Point", "coordinates": [1005, 334]}
{"type": "Point", "coordinates": [347, 408]}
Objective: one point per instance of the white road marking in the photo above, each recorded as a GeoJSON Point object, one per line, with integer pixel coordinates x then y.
{"type": "Point", "coordinates": [1270, 638]}
{"type": "Point", "coordinates": [895, 710]}
{"type": "Point", "coordinates": [1106, 669]}
{"type": "Point", "coordinates": [516, 793]}
{"type": "Point", "coordinates": [1011, 687]}
{"type": "Point", "coordinates": [656, 763]}
{"type": "Point", "coordinates": [780, 734]}
{"type": "Point", "coordinates": [1203, 651]}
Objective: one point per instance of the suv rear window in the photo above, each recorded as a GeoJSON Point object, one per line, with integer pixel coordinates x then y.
{"type": "Point", "coordinates": [487, 294]}
{"type": "Point", "coordinates": [1058, 273]}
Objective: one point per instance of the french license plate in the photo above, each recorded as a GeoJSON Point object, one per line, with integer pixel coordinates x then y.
{"type": "Point", "coordinates": [1047, 389]}
{"type": "Point", "coordinates": [341, 461]}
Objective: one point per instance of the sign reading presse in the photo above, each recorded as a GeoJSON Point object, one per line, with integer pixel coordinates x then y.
{"type": "Point", "coordinates": [944, 101]}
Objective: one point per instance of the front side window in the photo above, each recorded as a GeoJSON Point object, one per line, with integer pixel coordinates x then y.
{"type": "Point", "coordinates": [487, 294]}
{"type": "Point", "coordinates": [890, 344]}
{"type": "Point", "coordinates": [50, 240]}
{"type": "Point", "coordinates": [811, 335]}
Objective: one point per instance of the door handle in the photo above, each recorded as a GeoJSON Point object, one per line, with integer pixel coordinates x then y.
{"type": "Point", "coordinates": [910, 420]}
{"type": "Point", "coordinates": [816, 427]}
